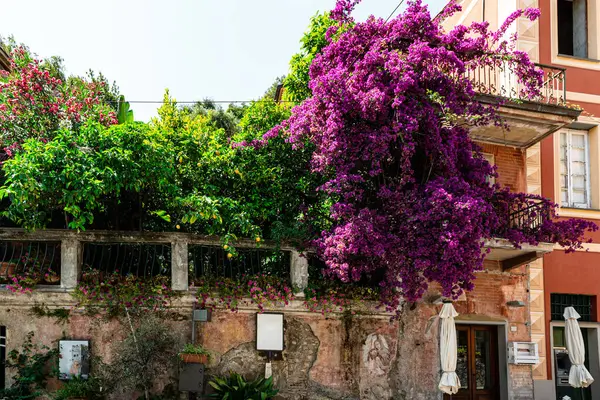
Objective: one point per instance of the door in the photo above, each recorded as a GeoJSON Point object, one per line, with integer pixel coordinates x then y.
{"type": "Point", "coordinates": [477, 363]}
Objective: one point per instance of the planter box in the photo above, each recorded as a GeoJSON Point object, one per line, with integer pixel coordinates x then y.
{"type": "Point", "coordinates": [194, 358]}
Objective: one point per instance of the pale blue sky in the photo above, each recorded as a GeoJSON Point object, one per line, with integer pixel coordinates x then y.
{"type": "Point", "coordinates": [219, 49]}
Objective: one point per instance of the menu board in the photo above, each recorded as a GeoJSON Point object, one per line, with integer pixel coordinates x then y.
{"type": "Point", "coordinates": [74, 359]}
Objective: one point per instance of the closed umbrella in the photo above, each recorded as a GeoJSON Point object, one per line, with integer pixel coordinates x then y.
{"type": "Point", "coordinates": [579, 376]}
{"type": "Point", "coordinates": [449, 383]}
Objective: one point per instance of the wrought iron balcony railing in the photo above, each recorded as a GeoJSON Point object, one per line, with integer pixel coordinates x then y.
{"type": "Point", "coordinates": [526, 215]}
{"type": "Point", "coordinates": [500, 80]}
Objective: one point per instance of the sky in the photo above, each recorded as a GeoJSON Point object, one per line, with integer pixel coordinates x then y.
{"type": "Point", "coordinates": [219, 49]}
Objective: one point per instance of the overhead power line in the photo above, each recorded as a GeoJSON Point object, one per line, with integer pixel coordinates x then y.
{"type": "Point", "coordinates": [395, 9]}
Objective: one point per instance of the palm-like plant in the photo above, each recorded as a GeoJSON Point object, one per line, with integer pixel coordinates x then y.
{"type": "Point", "coordinates": [235, 387]}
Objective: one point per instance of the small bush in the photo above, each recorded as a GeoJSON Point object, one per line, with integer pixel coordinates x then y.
{"type": "Point", "coordinates": [235, 387]}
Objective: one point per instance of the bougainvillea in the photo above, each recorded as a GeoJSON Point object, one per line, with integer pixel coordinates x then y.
{"type": "Point", "coordinates": [35, 103]}
{"type": "Point", "coordinates": [389, 117]}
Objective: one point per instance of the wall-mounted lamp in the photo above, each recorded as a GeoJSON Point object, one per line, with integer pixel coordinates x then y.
{"type": "Point", "coordinates": [515, 303]}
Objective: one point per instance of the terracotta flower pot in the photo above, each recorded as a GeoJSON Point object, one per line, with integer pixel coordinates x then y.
{"type": "Point", "coordinates": [52, 279]}
{"type": "Point", "coordinates": [194, 358]}
{"type": "Point", "coordinates": [7, 268]}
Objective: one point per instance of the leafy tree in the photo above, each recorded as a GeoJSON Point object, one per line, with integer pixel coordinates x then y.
{"type": "Point", "coordinates": [36, 101]}
{"type": "Point", "coordinates": [296, 83]}
{"type": "Point", "coordinates": [76, 176]}
{"type": "Point", "coordinates": [149, 350]}
{"type": "Point", "coordinates": [388, 115]}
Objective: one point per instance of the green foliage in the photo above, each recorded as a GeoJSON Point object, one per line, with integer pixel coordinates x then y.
{"type": "Point", "coordinates": [124, 114]}
{"type": "Point", "coordinates": [33, 364]}
{"type": "Point", "coordinates": [149, 351]}
{"type": "Point", "coordinates": [78, 174]}
{"type": "Point", "coordinates": [41, 310]}
{"type": "Point", "coordinates": [77, 387]}
{"type": "Point", "coordinates": [116, 295]}
{"type": "Point", "coordinates": [235, 387]}
{"type": "Point", "coordinates": [313, 41]}
{"type": "Point", "coordinates": [190, 348]}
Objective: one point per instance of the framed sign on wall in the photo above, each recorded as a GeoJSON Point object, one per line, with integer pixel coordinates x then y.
{"type": "Point", "coordinates": [74, 359]}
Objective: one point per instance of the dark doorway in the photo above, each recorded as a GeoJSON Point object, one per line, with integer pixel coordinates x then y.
{"type": "Point", "coordinates": [477, 366]}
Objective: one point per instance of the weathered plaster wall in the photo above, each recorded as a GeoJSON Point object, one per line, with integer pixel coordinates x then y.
{"type": "Point", "coordinates": [363, 357]}
{"type": "Point", "coordinates": [415, 373]}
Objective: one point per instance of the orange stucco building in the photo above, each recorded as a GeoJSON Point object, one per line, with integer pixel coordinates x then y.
{"type": "Point", "coordinates": [565, 168]}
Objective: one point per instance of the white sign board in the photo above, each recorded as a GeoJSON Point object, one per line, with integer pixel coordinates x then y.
{"type": "Point", "coordinates": [74, 359]}
{"type": "Point", "coordinates": [269, 332]}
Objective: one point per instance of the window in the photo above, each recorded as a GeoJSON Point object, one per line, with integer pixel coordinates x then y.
{"type": "Point", "coordinates": [572, 28]}
{"type": "Point", "coordinates": [574, 169]}
{"type": "Point", "coordinates": [2, 356]}
{"type": "Point", "coordinates": [581, 303]}
{"type": "Point", "coordinates": [490, 158]}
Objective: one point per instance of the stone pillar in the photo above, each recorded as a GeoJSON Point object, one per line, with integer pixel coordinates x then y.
{"type": "Point", "coordinates": [179, 266]}
{"type": "Point", "coordinates": [299, 272]}
{"type": "Point", "coordinates": [70, 263]}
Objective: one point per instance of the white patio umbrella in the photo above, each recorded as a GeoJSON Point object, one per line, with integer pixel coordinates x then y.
{"type": "Point", "coordinates": [579, 376]}
{"type": "Point", "coordinates": [449, 383]}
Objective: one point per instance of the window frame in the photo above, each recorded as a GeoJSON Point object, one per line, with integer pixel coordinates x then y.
{"type": "Point", "coordinates": [592, 61]}
{"type": "Point", "coordinates": [574, 26]}
{"type": "Point", "coordinates": [584, 304]}
{"type": "Point", "coordinates": [568, 161]}
{"type": "Point", "coordinates": [490, 158]}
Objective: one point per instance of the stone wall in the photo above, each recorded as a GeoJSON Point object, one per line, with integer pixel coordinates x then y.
{"type": "Point", "coordinates": [337, 357]}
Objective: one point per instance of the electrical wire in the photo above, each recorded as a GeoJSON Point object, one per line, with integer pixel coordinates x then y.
{"type": "Point", "coordinates": [395, 9]}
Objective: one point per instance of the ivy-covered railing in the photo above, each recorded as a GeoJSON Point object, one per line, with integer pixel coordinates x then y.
{"type": "Point", "coordinates": [184, 259]}
{"type": "Point", "coordinates": [500, 80]}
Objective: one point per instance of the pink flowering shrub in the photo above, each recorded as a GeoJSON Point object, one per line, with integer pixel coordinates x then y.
{"type": "Point", "coordinates": [408, 189]}
{"type": "Point", "coordinates": [115, 294]}
{"type": "Point", "coordinates": [330, 297]}
{"type": "Point", "coordinates": [34, 103]}
{"type": "Point", "coordinates": [263, 291]}
{"type": "Point", "coordinates": [23, 283]}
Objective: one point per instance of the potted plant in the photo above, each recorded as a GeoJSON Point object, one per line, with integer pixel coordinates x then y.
{"type": "Point", "coordinates": [194, 353]}
{"type": "Point", "coordinates": [235, 387]}
{"type": "Point", "coordinates": [51, 277]}
{"type": "Point", "coordinates": [7, 268]}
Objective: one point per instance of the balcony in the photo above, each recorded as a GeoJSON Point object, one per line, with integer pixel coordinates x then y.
{"type": "Point", "coordinates": [529, 119]}
{"type": "Point", "coordinates": [523, 216]}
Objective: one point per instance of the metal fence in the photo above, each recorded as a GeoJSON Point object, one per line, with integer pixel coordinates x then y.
{"type": "Point", "coordinates": [139, 259]}
{"type": "Point", "coordinates": [500, 80]}
{"type": "Point", "coordinates": [526, 215]}
{"type": "Point", "coordinates": [213, 261]}
{"type": "Point", "coordinates": [30, 257]}
{"type": "Point", "coordinates": [182, 257]}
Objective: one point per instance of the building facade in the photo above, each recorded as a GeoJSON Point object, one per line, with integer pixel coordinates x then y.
{"type": "Point", "coordinates": [368, 356]}
{"type": "Point", "coordinates": [335, 356]}
{"type": "Point", "coordinates": [563, 167]}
